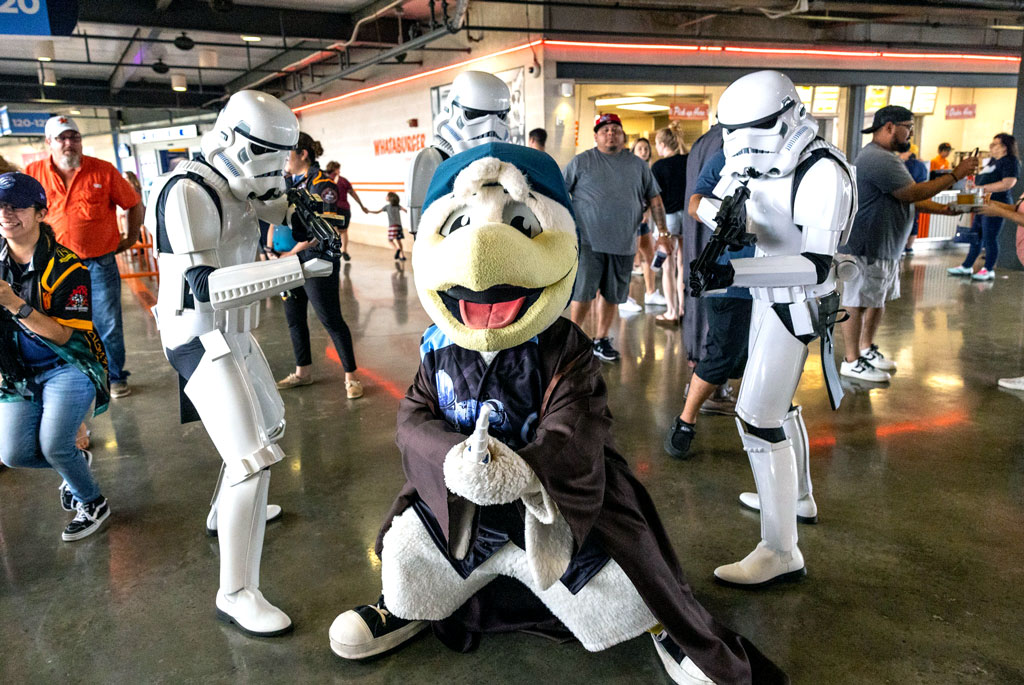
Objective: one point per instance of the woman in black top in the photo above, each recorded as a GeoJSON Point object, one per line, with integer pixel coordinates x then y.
{"type": "Point", "coordinates": [997, 177]}
{"type": "Point", "coordinates": [323, 293]}
{"type": "Point", "coordinates": [670, 172]}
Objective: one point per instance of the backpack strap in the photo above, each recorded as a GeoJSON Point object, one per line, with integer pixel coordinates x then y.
{"type": "Point", "coordinates": [163, 243]}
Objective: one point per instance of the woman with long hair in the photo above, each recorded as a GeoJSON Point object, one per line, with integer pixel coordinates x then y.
{"type": "Point", "coordinates": [303, 172]}
{"type": "Point", "coordinates": [644, 247]}
{"type": "Point", "coordinates": [52, 364]}
{"type": "Point", "coordinates": [670, 172]}
{"type": "Point", "coordinates": [997, 176]}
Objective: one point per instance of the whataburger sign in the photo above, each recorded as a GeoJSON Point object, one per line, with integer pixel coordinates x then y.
{"type": "Point", "coordinates": [397, 145]}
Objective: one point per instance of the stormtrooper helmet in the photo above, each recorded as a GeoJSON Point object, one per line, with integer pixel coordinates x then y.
{"type": "Point", "coordinates": [249, 144]}
{"type": "Point", "coordinates": [474, 113]}
{"type": "Point", "coordinates": [765, 125]}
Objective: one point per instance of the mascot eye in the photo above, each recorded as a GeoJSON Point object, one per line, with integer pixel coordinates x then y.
{"type": "Point", "coordinates": [518, 216]}
{"type": "Point", "coordinates": [458, 219]}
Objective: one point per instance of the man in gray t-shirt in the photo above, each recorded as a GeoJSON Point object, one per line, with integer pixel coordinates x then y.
{"type": "Point", "coordinates": [610, 189]}
{"type": "Point", "coordinates": [887, 198]}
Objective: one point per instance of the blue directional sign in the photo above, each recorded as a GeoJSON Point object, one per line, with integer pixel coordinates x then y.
{"type": "Point", "coordinates": [22, 123]}
{"type": "Point", "coordinates": [38, 17]}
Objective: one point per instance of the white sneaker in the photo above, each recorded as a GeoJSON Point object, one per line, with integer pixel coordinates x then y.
{"type": "Point", "coordinates": [1012, 383]}
{"type": "Point", "coordinates": [960, 271]}
{"type": "Point", "coordinates": [863, 370]}
{"type": "Point", "coordinates": [984, 275]}
{"type": "Point", "coordinates": [877, 359]}
{"type": "Point", "coordinates": [763, 566]}
{"type": "Point", "coordinates": [655, 299]}
{"type": "Point", "coordinates": [679, 667]}
{"type": "Point", "coordinates": [630, 305]}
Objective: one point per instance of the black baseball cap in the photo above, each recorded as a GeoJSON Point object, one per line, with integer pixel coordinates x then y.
{"type": "Point", "coordinates": [21, 191]}
{"type": "Point", "coordinates": [890, 113]}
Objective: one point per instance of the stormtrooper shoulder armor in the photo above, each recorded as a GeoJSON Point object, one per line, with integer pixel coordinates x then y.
{"type": "Point", "coordinates": [824, 203]}
{"type": "Point", "coordinates": [186, 215]}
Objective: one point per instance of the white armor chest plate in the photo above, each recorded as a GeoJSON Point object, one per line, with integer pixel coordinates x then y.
{"type": "Point", "coordinates": [233, 238]}
{"type": "Point", "coordinates": [770, 216]}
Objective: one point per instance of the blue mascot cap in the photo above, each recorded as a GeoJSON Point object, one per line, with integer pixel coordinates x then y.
{"type": "Point", "coordinates": [542, 173]}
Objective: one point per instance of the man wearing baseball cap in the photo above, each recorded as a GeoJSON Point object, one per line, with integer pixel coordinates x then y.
{"type": "Point", "coordinates": [887, 198]}
{"type": "Point", "coordinates": [610, 188]}
{"type": "Point", "coordinates": [84, 193]}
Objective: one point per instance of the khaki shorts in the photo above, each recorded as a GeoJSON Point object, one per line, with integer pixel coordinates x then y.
{"type": "Point", "coordinates": [876, 282]}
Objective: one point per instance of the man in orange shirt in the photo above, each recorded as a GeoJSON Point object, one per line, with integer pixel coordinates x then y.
{"type": "Point", "coordinates": [83, 193]}
{"type": "Point", "coordinates": [941, 161]}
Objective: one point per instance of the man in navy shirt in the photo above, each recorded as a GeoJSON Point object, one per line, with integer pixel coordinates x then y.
{"type": "Point", "coordinates": [725, 349]}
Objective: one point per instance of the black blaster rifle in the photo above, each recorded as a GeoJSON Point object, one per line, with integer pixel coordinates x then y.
{"type": "Point", "coordinates": [319, 225]}
{"type": "Point", "coordinates": [730, 232]}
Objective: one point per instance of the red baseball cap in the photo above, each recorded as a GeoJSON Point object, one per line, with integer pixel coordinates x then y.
{"type": "Point", "coordinates": [609, 118]}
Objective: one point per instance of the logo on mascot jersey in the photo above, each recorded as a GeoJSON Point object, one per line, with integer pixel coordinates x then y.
{"type": "Point", "coordinates": [78, 301]}
{"type": "Point", "coordinates": [329, 196]}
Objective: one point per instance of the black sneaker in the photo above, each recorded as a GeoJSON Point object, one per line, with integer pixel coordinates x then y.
{"type": "Point", "coordinates": [603, 350]}
{"type": "Point", "coordinates": [369, 630]}
{"type": "Point", "coordinates": [88, 520]}
{"type": "Point", "coordinates": [346, 256]}
{"type": "Point", "coordinates": [67, 500]}
{"type": "Point", "coordinates": [677, 442]}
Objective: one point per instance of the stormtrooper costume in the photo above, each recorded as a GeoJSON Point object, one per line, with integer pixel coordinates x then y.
{"type": "Point", "coordinates": [474, 113]}
{"type": "Point", "coordinates": [205, 217]}
{"type": "Point", "coordinates": [801, 207]}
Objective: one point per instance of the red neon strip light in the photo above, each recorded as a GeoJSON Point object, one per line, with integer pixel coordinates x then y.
{"type": "Point", "coordinates": [439, 70]}
{"type": "Point", "coordinates": [645, 47]}
{"type": "Point", "coordinates": [621, 46]}
{"type": "Point", "coordinates": [803, 51]}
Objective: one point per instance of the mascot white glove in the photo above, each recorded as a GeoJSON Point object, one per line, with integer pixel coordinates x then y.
{"type": "Point", "coordinates": [504, 478]}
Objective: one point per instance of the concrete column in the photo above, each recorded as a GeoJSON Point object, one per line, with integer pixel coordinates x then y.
{"type": "Point", "coordinates": [1008, 235]}
{"type": "Point", "coordinates": [854, 120]}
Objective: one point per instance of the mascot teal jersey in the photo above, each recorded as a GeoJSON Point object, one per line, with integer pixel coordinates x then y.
{"type": "Point", "coordinates": [553, 505]}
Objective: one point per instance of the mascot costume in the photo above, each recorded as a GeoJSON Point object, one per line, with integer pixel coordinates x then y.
{"type": "Point", "coordinates": [518, 513]}
{"type": "Point", "coordinates": [211, 288]}
{"type": "Point", "coordinates": [795, 194]}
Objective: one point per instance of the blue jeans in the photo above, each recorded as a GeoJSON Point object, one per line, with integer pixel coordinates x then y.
{"type": "Point", "coordinates": [106, 312]}
{"type": "Point", "coordinates": [41, 434]}
{"type": "Point", "coordinates": [984, 231]}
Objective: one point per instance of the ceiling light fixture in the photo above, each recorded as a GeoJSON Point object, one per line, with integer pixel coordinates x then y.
{"type": "Point", "coordinates": [609, 102]}
{"type": "Point", "coordinates": [207, 59]}
{"type": "Point", "coordinates": [47, 77]}
{"type": "Point", "coordinates": [159, 67]}
{"type": "Point", "coordinates": [178, 83]}
{"type": "Point", "coordinates": [74, 112]}
{"type": "Point", "coordinates": [251, 39]}
{"type": "Point", "coordinates": [644, 107]}
{"type": "Point", "coordinates": [44, 50]}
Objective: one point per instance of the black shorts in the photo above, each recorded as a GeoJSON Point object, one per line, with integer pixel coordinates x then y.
{"type": "Point", "coordinates": [604, 272]}
{"type": "Point", "coordinates": [725, 349]}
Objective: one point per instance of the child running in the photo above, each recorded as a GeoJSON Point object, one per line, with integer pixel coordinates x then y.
{"type": "Point", "coordinates": [395, 234]}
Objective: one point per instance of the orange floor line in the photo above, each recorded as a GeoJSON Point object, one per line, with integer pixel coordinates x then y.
{"type": "Point", "coordinates": [378, 380]}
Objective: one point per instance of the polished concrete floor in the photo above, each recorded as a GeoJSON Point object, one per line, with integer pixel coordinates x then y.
{"type": "Point", "coordinates": [914, 572]}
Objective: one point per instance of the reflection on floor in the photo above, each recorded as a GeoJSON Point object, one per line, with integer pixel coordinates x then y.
{"type": "Point", "coordinates": [914, 571]}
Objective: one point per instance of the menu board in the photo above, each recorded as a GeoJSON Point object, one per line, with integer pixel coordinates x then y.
{"type": "Point", "coordinates": [875, 98]}
{"type": "Point", "coordinates": [924, 99]}
{"type": "Point", "coordinates": [902, 96]}
{"type": "Point", "coordinates": [806, 95]}
{"type": "Point", "coordinates": [826, 100]}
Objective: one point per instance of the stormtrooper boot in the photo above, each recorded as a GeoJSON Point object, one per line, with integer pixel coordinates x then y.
{"type": "Point", "coordinates": [777, 557]}
{"type": "Point", "coordinates": [796, 431]}
{"type": "Point", "coordinates": [242, 510]}
{"type": "Point", "coordinates": [273, 510]}
{"type": "Point", "coordinates": [370, 629]}
{"type": "Point", "coordinates": [680, 668]}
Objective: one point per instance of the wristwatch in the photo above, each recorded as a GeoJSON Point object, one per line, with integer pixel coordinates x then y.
{"type": "Point", "coordinates": [24, 311]}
